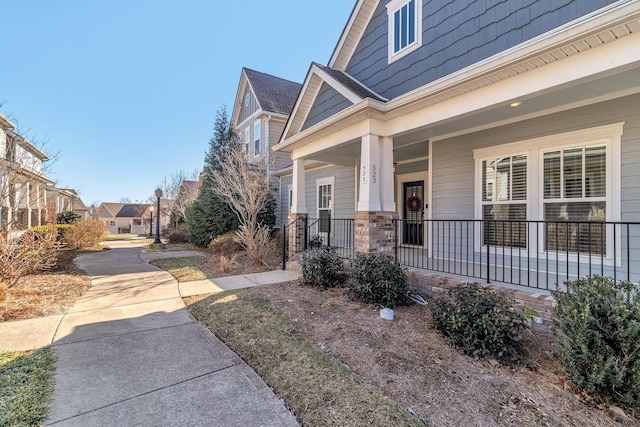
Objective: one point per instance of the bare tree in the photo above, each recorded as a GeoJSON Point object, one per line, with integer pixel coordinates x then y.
{"type": "Point", "coordinates": [179, 190]}
{"type": "Point", "coordinates": [244, 187]}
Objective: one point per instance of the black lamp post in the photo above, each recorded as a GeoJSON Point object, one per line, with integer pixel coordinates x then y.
{"type": "Point", "coordinates": [151, 221]}
{"type": "Point", "coordinates": [157, 240]}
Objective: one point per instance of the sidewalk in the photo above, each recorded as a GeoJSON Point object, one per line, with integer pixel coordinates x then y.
{"type": "Point", "coordinates": [130, 353]}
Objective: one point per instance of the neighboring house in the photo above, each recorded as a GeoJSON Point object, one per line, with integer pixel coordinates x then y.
{"type": "Point", "coordinates": [130, 218]}
{"type": "Point", "coordinates": [125, 218]}
{"type": "Point", "coordinates": [23, 186]}
{"type": "Point", "coordinates": [499, 140]}
{"type": "Point", "coordinates": [63, 200]}
{"type": "Point", "coordinates": [262, 107]}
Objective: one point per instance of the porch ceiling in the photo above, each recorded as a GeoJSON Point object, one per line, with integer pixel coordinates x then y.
{"type": "Point", "coordinates": [579, 93]}
{"type": "Point", "coordinates": [414, 143]}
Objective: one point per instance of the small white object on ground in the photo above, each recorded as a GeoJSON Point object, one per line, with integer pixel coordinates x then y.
{"type": "Point", "coordinates": [386, 313]}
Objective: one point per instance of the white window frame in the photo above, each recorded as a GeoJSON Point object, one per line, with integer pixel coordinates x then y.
{"type": "Point", "coordinates": [396, 6]}
{"type": "Point", "coordinates": [257, 131]}
{"type": "Point", "coordinates": [247, 138]}
{"type": "Point", "coordinates": [608, 135]}
{"type": "Point", "coordinates": [247, 99]}
{"type": "Point", "coordinates": [322, 182]}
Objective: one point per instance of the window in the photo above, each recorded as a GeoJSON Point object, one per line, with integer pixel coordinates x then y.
{"type": "Point", "coordinates": [575, 190]}
{"type": "Point", "coordinates": [404, 27]}
{"type": "Point", "coordinates": [571, 181]}
{"type": "Point", "coordinates": [247, 99]}
{"type": "Point", "coordinates": [256, 137]}
{"type": "Point", "coordinates": [325, 197]}
{"type": "Point", "coordinates": [504, 199]}
{"type": "Point", "coordinates": [247, 138]}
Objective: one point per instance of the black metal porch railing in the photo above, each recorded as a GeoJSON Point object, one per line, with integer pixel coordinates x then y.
{"type": "Point", "coordinates": [538, 254]}
{"type": "Point", "coordinates": [304, 233]}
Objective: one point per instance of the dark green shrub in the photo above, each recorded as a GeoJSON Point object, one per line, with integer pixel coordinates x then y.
{"type": "Point", "coordinates": [68, 217]}
{"type": "Point", "coordinates": [315, 242]}
{"type": "Point", "coordinates": [323, 269]}
{"type": "Point", "coordinates": [379, 280]}
{"type": "Point", "coordinates": [480, 322]}
{"type": "Point", "coordinates": [598, 325]}
{"type": "Point", "coordinates": [225, 245]}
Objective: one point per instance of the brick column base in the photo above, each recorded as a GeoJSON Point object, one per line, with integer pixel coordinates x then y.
{"type": "Point", "coordinates": [295, 233]}
{"type": "Point", "coordinates": [375, 232]}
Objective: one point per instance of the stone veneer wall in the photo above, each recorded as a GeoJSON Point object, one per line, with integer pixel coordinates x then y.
{"type": "Point", "coordinates": [375, 232]}
{"type": "Point", "coordinates": [542, 304]}
{"type": "Point", "coordinates": [295, 234]}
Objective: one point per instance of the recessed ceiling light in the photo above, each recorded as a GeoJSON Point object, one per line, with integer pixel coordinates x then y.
{"type": "Point", "coordinates": [515, 104]}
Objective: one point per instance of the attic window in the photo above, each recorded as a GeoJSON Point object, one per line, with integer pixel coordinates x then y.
{"type": "Point", "coordinates": [247, 98]}
{"type": "Point", "coordinates": [404, 27]}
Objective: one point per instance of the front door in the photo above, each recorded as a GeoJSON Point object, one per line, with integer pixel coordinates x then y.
{"type": "Point", "coordinates": [413, 227]}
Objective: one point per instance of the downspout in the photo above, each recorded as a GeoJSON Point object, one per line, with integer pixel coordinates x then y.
{"type": "Point", "coordinates": [268, 149]}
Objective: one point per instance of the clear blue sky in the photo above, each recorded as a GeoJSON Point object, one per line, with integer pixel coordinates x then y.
{"type": "Point", "coordinates": [125, 92]}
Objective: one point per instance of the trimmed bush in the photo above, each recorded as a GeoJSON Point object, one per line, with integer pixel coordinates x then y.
{"type": "Point", "coordinates": [598, 324]}
{"type": "Point", "coordinates": [480, 322]}
{"type": "Point", "coordinates": [177, 234]}
{"type": "Point", "coordinates": [379, 280]}
{"type": "Point", "coordinates": [322, 269]}
{"type": "Point", "coordinates": [85, 234]}
{"type": "Point", "coordinates": [225, 245]}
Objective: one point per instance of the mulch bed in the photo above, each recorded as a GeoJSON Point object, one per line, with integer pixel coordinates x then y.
{"type": "Point", "coordinates": [414, 365]}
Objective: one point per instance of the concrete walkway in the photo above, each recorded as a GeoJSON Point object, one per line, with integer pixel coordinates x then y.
{"type": "Point", "coordinates": [130, 354]}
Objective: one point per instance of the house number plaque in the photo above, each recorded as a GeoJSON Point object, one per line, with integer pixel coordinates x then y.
{"type": "Point", "coordinates": [365, 175]}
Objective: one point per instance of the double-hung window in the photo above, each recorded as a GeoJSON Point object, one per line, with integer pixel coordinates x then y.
{"type": "Point", "coordinates": [256, 137]}
{"type": "Point", "coordinates": [247, 138]}
{"type": "Point", "coordinates": [504, 200]}
{"type": "Point", "coordinates": [575, 196]}
{"type": "Point", "coordinates": [325, 196]}
{"type": "Point", "coordinates": [404, 27]}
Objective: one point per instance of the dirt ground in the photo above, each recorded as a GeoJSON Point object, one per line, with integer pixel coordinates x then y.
{"type": "Point", "coordinates": [415, 366]}
{"type": "Point", "coordinates": [45, 294]}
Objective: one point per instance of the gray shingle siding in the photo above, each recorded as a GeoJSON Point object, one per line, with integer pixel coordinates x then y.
{"type": "Point", "coordinates": [327, 103]}
{"type": "Point", "coordinates": [456, 34]}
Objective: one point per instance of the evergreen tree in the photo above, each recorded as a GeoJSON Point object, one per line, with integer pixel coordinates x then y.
{"type": "Point", "coordinates": [209, 216]}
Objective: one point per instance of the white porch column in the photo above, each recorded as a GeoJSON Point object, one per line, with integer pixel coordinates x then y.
{"type": "Point", "coordinates": [369, 197]}
{"type": "Point", "coordinates": [376, 175]}
{"type": "Point", "coordinates": [387, 197]}
{"type": "Point", "coordinates": [298, 199]}
{"type": "Point", "coordinates": [28, 205]}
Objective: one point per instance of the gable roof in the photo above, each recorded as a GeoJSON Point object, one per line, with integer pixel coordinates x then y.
{"type": "Point", "coordinates": [274, 94]}
{"type": "Point", "coordinates": [112, 208]}
{"type": "Point", "coordinates": [347, 86]}
{"type": "Point", "coordinates": [352, 33]}
{"type": "Point", "coordinates": [132, 211]}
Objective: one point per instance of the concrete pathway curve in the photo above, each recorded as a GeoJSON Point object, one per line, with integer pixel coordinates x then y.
{"type": "Point", "coordinates": [130, 354]}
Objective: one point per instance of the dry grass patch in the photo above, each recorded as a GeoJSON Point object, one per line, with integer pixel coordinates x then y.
{"type": "Point", "coordinates": [184, 269]}
{"type": "Point", "coordinates": [317, 388]}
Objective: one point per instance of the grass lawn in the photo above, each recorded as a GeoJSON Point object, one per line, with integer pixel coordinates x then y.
{"type": "Point", "coordinates": [184, 269]}
{"type": "Point", "coordinates": [318, 389]}
{"type": "Point", "coordinates": [26, 383]}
